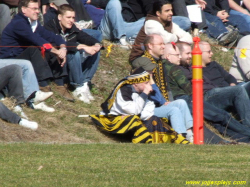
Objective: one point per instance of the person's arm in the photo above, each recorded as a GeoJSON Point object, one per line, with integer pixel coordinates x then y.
{"type": "Point", "coordinates": [202, 3]}
{"type": "Point", "coordinates": [237, 7]}
{"type": "Point", "coordinates": [247, 4]}
{"type": "Point", "coordinates": [182, 35]}
{"type": "Point", "coordinates": [154, 27]}
{"type": "Point", "coordinates": [89, 49]}
{"type": "Point", "coordinates": [156, 95]}
{"type": "Point", "coordinates": [228, 77]}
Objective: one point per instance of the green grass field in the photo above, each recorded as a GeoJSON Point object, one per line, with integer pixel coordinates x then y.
{"type": "Point", "coordinates": [123, 165]}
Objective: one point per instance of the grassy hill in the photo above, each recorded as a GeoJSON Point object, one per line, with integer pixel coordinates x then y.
{"type": "Point", "coordinates": [64, 126]}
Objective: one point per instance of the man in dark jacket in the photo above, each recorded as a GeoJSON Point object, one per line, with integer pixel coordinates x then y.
{"type": "Point", "coordinates": [25, 38]}
{"type": "Point", "coordinates": [83, 51]}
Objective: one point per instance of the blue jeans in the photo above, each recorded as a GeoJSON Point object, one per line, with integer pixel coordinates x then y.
{"type": "Point", "coordinates": [81, 69]}
{"type": "Point", "coordinates": [217, 27]}
{"type": "Point", "coordinates": [231, 96]}
{"type": "Point", "coordinates": [246, 85]}
{"type": "Point", "coordinates": [112, 25]}
{"type": "Point", "coordinates": [217, 115]}
{"type": "Point", "coordinates": [182, 22]}
{"type": "Point", "coordinates": [178, 113]}
{"type": "Point", "coordinates": [94, 33]}
{"type": "Point", "coordinates": [29, 80]}
{"type": "Point", "coordinates": [243, 24]}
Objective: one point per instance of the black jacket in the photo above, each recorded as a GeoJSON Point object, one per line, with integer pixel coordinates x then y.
{"type": "Point", "coordinates": [217, 75]}
{"type": "Point", "coordinates": [213, 6]}
{"type": "Point", "coordinates": [74, 35]}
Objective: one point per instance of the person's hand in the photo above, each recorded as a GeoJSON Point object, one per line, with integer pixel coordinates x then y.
{"type": "Point", "coordinates": [88, 49]}
{"type": "Point", "coordinates": [88, 2]}
{"type": "Point", "coordinates": [62, 52]}
{"type": "Point", "coordinates": [61, 61]}
{"type": "Point", "coordinates": [151, 81]}
{"type": "Point", "coordinates": [232, 84]}
{"type": "Point", "coordinates": [202, 3]}
{"type": "Point", "coordinates": [166, 103]}
{"type": "Point", "coordinates": [98, 46]}
{"type": "Point", "coordinates": [223, 15]}
{"type": "Point", "coordinates": [147, 88]}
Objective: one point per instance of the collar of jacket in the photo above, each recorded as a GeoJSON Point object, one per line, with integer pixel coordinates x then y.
{"type": "Point", "coordinates": [22, 16]}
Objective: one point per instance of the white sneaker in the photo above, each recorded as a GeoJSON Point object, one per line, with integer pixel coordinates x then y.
{"type": "Point", "coordinates": [28, 124]}
{"type": "Point", "coordinates": [18, 109]}
{"type": "Point", "coordinates": [123, 43]}
{"type": "Point", "coordinates": [42, 106]}
{"type": "Point", "coordinates": [81, 94]}
{"type": "Point", "coordinates": [41, 96]}
{"type": "Point", "coordinates": [90, 96]}
{"type": "Point", "coordinates": [190, 136]}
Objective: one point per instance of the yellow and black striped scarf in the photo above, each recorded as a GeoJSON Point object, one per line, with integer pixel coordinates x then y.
{"type": "Point", "coordinates": [158, 74]}
{"type": "Point", "coordinates": [131, 79]}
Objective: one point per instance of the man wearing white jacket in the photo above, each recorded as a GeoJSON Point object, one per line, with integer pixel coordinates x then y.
{"type": "Point", "coordinates": [159, 22]}
{"type": "Point", "coordinates": [240, 68]}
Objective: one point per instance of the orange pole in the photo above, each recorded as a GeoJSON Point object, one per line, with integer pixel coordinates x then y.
{"type": "Point", "coordinates": [197, 83]}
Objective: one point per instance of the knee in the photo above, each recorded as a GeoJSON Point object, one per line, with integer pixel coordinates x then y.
{"type": "Point", "coordinates": [15, 69]}
{"type": "Point", "coordinates": [175, 112]}
{"type": "Point", "coordinates": [181, 102]}
{"type": "Point", "coordinates": [241, 91]}
{"type": "Point", "coordinates": [26, 65]}
{"type": "Point", "coordinates": [114, 5]}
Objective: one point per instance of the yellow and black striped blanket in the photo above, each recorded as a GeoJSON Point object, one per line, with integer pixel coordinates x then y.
{"type": "Point", "coordinates": [154, 130]}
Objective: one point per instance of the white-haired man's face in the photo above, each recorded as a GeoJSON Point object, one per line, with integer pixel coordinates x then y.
{"type": "Point", "coordinates": [172, 54]}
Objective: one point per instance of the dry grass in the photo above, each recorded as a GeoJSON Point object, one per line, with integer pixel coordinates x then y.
{"type": "Point", "coordinates": [64, 126]}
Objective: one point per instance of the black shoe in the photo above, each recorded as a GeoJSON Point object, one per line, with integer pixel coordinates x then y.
{"type": "Point", "coordinates": [228, 38]}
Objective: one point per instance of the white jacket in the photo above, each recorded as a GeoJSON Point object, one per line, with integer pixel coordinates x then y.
{"type": "Point", "coordinates": [132, 103]}
{"type": "Point", "coordinates": [155, 27]}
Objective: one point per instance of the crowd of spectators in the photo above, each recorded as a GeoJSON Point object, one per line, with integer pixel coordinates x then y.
{"type": "Point", "coordinates": [60, 41]}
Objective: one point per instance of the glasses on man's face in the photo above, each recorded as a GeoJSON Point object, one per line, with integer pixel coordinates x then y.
{"type": "Point", "coordinates": [208, 51]}
{"type": "Point", "coordinates": [34, 9]}
{"type": "Point", "coordinates": [177, 55]}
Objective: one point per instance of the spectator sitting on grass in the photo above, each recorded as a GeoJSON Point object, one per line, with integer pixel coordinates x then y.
{"type": "Point", "coordinates": [83, 53]}
{"type": "Point", "coordinates": [128, 109]}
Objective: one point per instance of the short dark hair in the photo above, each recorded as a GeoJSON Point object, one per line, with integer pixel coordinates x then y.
{"type": "Point", "coordinates": [181, 45]}
{"type": "Point", "coordinates": [25, 3]}
{"type": "Point", "coordinates": [157, 5]}
{"type": "Point", "coordinates": [63, 8]}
